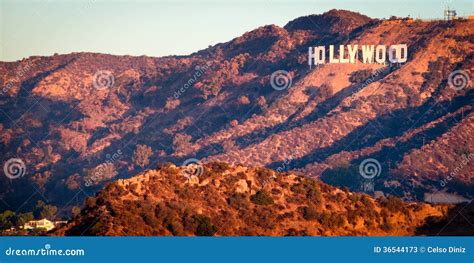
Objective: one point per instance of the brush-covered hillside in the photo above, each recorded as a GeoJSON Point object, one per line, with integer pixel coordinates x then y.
{"type": "Point", "coordinates": [227, 200]}
{"type": "Point", "coordinates": [80, 121]}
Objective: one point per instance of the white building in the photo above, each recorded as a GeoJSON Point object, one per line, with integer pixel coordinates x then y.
{"type": "Point", "coordinates": [42, 223]}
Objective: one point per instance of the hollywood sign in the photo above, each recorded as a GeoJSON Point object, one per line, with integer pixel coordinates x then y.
{"type": "Point", "coordinates": [349, 54]}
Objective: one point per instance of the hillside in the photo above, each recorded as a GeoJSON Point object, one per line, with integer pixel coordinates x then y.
{"type": "Point", "coordinates": [77, 120]}
{"type": "Point", "coordinates": [236, 200]}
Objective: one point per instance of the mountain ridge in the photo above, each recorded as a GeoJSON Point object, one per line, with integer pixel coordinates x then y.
{"type": "Point", "coordinates": [228, 200]}
{"type": "Point", "coordinates": [63, 127]}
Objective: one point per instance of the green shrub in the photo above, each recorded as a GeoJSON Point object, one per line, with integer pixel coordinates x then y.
{"type": "Point", "coordinates": [6, 219]}
{"type": "Point", "coordinates": [150, 219]}
{"type": "Point", "coordinates": [309, 188]}
{"type": "Point", "coordinates": [264, 173]}
{"type": "Point", "coordinates": [43, 210]}
{"type": "Point", "coordinates": [386, 226]}
{"type": "Point", "coordinates": [167, 168]}
{"type": "Point", "coordinates": [310, 213]}
{"type": "Point", "coordinates": [112, 191]}
{"type": "Point", "coordinates": [218, 167]}
{"type": "Point", "coordinates": [204, 226]}
{"type": "Point", "coordinates": [393, 203]}
{"type": "Point", "coordinates": [261, 198]}
{"type": "Point", "coordinates": [369, 205]}
{"type": "Point", "coordinates": [173, 224]}
{"type": "Point", "coordinates": [332, 220]}
{"type": "Point", "coordinates": [360, 75]}
{"type": "Point", "coordinates": [91, 202]}
{"type": "Point", "coordinates": [141, 155]}
{"type": "Point", "coordinates": [314, 193]}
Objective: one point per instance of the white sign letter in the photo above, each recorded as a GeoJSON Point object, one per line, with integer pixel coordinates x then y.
{"type": "Point", "coordinates": [380, 54]}
{"type": "Point", "coordinates": [368, 54]}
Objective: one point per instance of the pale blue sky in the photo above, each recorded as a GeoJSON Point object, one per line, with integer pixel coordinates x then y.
{"type": "Point", "coordinates": [159, 28]}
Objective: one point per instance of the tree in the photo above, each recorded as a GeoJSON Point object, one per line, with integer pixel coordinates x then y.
{"type": "Point", "coordinates": [41, 179]}
{"type": "Point", "coordinates": [261, 198]}
{"type": "Point", "coordinates": [243, 100]}
{"type": "Point", "coordinates": [332, 220]}
{"type": "Point", "coordinates": [261, 101]}
{"type": "Point", "coordinates": [360, 75]}
{"type": "Point", "coordinates": [393, 203]}
{"type": "Point", "coordinates": [42, 210]}
{"type": "Point", "coordinates": [204, 226]}
{"type": "Point", "coordinates": [326, 91]}
{"type": "Point", "coordinates": [73, 182]}
{"type": "Point", "coordinates": [141, 155]}
{"type": "Point", "coordinates": [102, 172]}
{"type": "Point", "coordinates": [172, 103]}
{"type": "Point", "coordinates": [22, 219]}
{"type": "Point", "coordinates": [91, 202]}
{"type": "Point", "coordinates": [76, 211]}
{"type": "Point", "coordinates": [310, 212]}
{"type": "Point", "coordinates": [7, 219]}
{"type": "Point", "coordinates": [182, 144]}
{"type": "Point", "coordinates": [108, 171]}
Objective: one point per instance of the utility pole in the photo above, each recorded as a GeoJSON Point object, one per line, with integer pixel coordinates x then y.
{"type": "Point", "coordinates": [449, 14]}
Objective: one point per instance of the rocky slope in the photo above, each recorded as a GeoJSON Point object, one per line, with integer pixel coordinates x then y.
{"type": "Point", "coordinates": [236, 200]}
{"type": "Point", "coordinates": [75, 120]}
